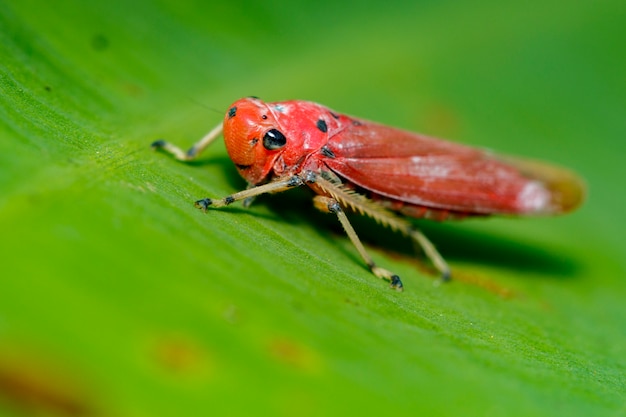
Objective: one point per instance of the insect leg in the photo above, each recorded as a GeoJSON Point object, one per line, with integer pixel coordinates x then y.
{"type": "Point", "coordinates": [360, 203]}
{"type": "Point", "coordinates": [331, 205]}
{"type": "Point", "coordinates": [246, 195]}
{"type": "Point", "coordinates": [431, 252]}
{"type": "Point", "coordinates": [194, 151]}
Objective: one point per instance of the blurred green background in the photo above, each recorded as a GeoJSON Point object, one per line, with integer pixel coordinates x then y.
{"type": "Point", "coordinates": [118, 298]}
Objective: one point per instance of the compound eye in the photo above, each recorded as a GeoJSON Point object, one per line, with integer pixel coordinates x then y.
{"type": "Point", "coordinates": [274, 139]}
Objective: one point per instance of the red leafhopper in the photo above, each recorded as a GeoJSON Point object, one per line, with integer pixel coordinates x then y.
{"type": "Point", "coordinates": [383, 172]}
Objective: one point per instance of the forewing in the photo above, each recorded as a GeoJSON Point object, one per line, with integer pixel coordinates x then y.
{"type": "Point", "coordinates": [438, 174]}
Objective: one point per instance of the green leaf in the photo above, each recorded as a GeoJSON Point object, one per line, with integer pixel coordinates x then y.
{"type": "Point", "coordinates": [118, 297]}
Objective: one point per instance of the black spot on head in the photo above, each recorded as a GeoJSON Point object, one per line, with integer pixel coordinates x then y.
{"type": "Point", "coordinates": [335, 115]}
{"type": "Point", "coordinates": [242, 166]}
{"type": "Point", "coordinates": [254, 141]}
{"type": "Point", "coordinates": [321, 125]}
{"type": "Point", "coordinates": [356, 123]}
{"type": "Point", "coordinates": [264, 116]}
{"type": "Point", "coordinates": [274, 139]}
{"type": "Point", "coordinates": [232, 112]}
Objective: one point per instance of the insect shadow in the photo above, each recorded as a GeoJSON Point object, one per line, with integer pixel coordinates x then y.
{"type": "Point", "coordinates": [455, 243]}
{"type": "Point", "coordinates": [477, 247]}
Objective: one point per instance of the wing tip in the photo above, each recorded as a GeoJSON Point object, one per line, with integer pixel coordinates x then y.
{"type": "Point", "coordinates": [568, 192]}
{"type": "Point", "coordinates": [555, 190]}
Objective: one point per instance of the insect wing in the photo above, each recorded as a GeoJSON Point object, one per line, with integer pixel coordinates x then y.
{"type": "Point", "coordinates": [434, 173]}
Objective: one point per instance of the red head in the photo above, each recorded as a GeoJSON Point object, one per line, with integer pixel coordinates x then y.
{"type": "Point", "coordinates": [273, 138]}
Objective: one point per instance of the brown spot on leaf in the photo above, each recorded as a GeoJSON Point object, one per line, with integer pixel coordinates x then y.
{"type": "Point", "coordinates": [31, 387]}
{"type": "Point", "coordinates": [132, 89]}
{"type": "Point", "coordinates": [295, 355]}
{"type": "Point", "coordinates": [180, 355]}
{"type": "Point", "coordinates": [484, 283]}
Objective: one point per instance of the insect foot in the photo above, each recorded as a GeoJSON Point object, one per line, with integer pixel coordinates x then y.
{"type": "Point", "coordinates": [394, 280]}
{"type": "Point", "coordinates": [203, 204]}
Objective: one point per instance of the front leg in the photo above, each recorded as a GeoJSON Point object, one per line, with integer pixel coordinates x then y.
{"type": "Point", "coordinates": [194, 151]}
{"type": "Point", "coordinates": [276, 186]}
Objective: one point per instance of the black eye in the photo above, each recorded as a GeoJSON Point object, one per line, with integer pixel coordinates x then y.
{"type": "Point", "coordinates": [273, 139]}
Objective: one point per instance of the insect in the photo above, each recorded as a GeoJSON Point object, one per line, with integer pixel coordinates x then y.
{"type": "Point", "coordinates": [383, 172]}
